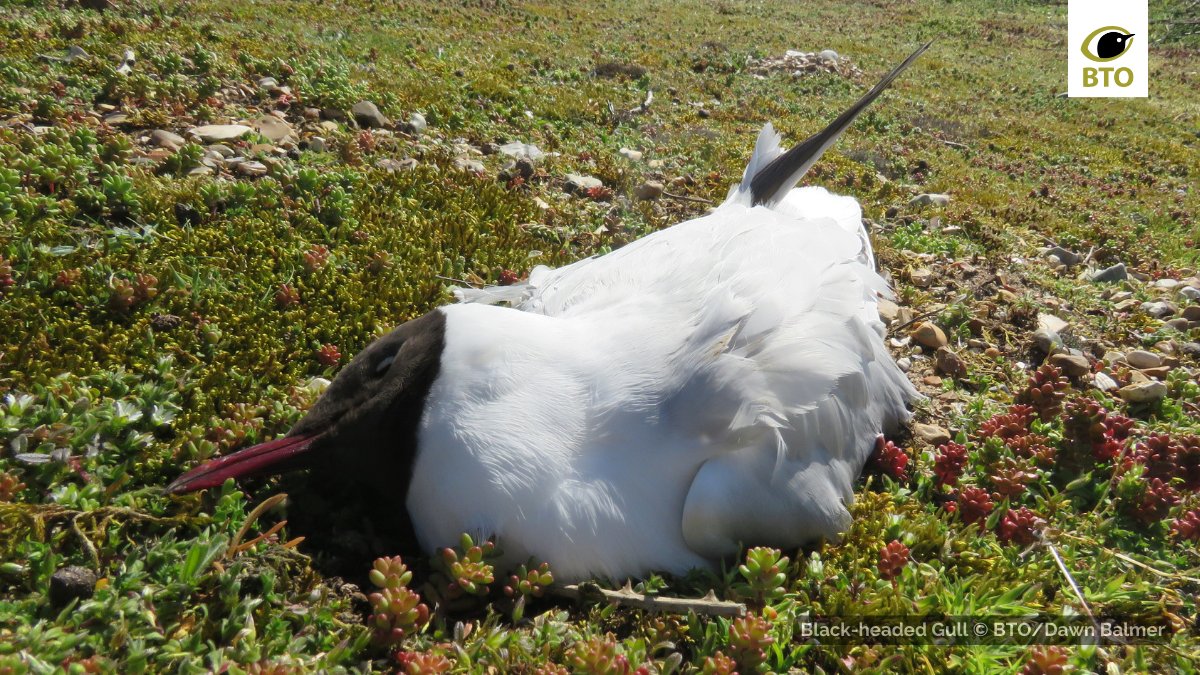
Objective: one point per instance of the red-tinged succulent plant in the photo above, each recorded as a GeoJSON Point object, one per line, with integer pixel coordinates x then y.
{"type": "Point", "coordinates": [973, 504]}
{"type": "Point", "coordinates": [6, 274]}
{"type": "Point", "coordinates": [1187, 526]}
{"type": "Point", "coordinates": [1046, 661]}
{"type": "Point", "coordinates": [719, 664]}
{"type": "Point", "coordinates": [509, 277]}
{"type": "Point", "coordinates": [1148, 501]}
{"type": "Point", "coordinates": [468, 569]}
{"type": "Point", "coordinates": [949, 463]}
{"type": "Point", "coordinates": [422, 663]}
{"type": "Point", "coordinates": [749, 637]}
{"type": "Point", "coordinates": [888, 459]}
{"type": "Point", "coordinates": [892, 560]}
{"type": "Point", "coordinates": [765, 572]}
{"type": "Point", "coordinates": [1034, 447]}
{"type": "Point", "coordinates": [67, 278]}
{"type": "Point", "coordinates": [396, 611]}
{"type": "Point", "coordinates": [1187, 462]}
{"type": "Point", "coordinates": [1045, 392]}
{"type": "Point", "coordinates": [10, 486]}
{"type": "Point", "coordinates": [316, 257]}
{"type": "Point", "coordinates": [1158, 454]}
{"type": "Point", "coordinates": [1009, 478]}
{"type": "Point", "coordinates": [1013, 424]}
{"type": "Point", "coordinates": [1019, 526]}
{"type": "Point", "coordinates": [598, 656]}
{"type": "Point", "coordinates": [529, 582]}
{"type": "Point", "coordinates": [287, 296]}
{"type": "Point", "coordinates": [328, 355]}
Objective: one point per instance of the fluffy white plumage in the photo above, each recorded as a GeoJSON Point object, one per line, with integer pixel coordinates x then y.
{"type": "Point", "coordinates": [716, 383]}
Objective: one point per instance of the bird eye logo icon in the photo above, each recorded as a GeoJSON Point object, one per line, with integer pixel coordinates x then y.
{"type": "Point", "coordinates": [1107, 44]}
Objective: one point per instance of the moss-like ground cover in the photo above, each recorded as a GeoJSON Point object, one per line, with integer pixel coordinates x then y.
{"type": "Point", "coordinates": [158, 307]}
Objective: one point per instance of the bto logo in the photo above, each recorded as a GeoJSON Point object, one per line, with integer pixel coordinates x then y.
{"type": "Point", "coordinates": [1103, 45]}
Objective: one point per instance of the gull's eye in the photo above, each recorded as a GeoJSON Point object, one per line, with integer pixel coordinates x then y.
{"type": "Point", "coordinates": [383, 365]}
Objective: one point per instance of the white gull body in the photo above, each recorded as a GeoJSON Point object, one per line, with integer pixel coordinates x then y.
{"type": "Point", "coordinates": [717, 383]}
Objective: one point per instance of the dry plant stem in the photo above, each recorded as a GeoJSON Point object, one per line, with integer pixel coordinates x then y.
{"type": "Point", "coordinates": [708, 605]}
{"type": "Point", "coordinates": [262, 508]}
{"type": "Point", "coordinates": [685, 198]}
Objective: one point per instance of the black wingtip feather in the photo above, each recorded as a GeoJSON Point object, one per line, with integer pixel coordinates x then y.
{"type": "Point", "coordinates": [774, 180]}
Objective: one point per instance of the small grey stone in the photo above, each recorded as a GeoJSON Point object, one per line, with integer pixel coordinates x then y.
{"type": "Point", "coordinates": [631, 155]}
{"type": "Point", "coordinates": [166, 139]}
{"type": "Point", "coordinates": [223, 150]}
{"type": "Point", "coordinates": [1159, 310]}
{"type": "Point", "coordinates": [393, 165]}
{"type": "Point", "coordinates": [116, 118]}
{"type": "Point", "coordinates": [1190, 292]}
{"type": "Point", "coordinates": [828, 55]}
{"type": "Point", "coordinates": [1047, 341]}
{"type": "Point", "coordinates": [1140, 358]}
{"type": "Point", "coordinates": [1052, 323]}
{"type": "Point", "coordinates": [1068, 258]}
{"type": "Point", "coordinates": [949, 363]}
{"type": "Point", "coordinates": [1071, 364]}
{"type": "Point", "coordinates": [252, 168]}
{"type": "Point", "coordinates": [215, 133]}
{"type": "Point", "coordinates": [1115, 273]}
{"type": "Point", "coordinates": [921, 278]}
{"type": "Point", "coordinates": [417, 124]}
{"type": "Point", "coordinates": [272, 128]}
{"type": "Point", "coordinates": [267, 83]}
{"type": "Point", "coordinates": [1179, 323]}
{"type": "Point", "coordinates": [904, 364]}
{"type": "Point", "coordinates": [316, 144]}
{"type": "Point", "coordinates": [577, 184]}
{"type": "Point", "coordinates": [1143, 392]}
{"type": "Point", "coordinates": [472, 165]}
{"type": "Point", "coordinates": [888, 310]}
{"type": "Point", "coordinates": [1191, 349]}
{"type": "Point", "coordinates": [71, 583]}
{"type": "Point", "coordinates": [1167, 283]}
{"type": "Point", "coordinates": [649, 191]}
{"type": "Point", "coordinates": [368, 116]}
{"type": "Point", "coordinates": [1191, 313]}
{"type": "Point", "coordinates": [930, 199]}
{"type": "Point", "coordinates": [519, 150]}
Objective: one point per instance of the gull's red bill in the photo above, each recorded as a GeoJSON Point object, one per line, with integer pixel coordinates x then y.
{"type": "Point", "coordinates": [265, 458]}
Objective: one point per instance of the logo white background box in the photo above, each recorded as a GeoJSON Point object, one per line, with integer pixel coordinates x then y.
{"type": "Point", "coordinates": [1083, 18]}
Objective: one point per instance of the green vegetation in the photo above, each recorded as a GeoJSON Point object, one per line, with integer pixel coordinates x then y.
{"type": "Point", "coordinates": [159, 308]}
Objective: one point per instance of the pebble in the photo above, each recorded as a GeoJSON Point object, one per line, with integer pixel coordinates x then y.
{"type": "Point", "coordinates": [993, 352]}
{"type": "Point", "coordinates": [368, 116]}
{"type": "Point", "coordinates": [116, 118]}
{"type": "Point", "coordinates": [1143, 392]}
{"type": "Point", "coordinates": [1167, 283]}
{"type": "Point", "coordinates": [1159, 310]}
{"type": "Point", "coordinates": [215, 133]}
{"type": "Point", "coordinates": [316, 144]}
{"type": "Point", "coordinates": [577, 183]}
{"type": "Point", "coordinates": [1140, 358]}
{"type": "Point", "coordinates": [519, 150]}
{"type": "Point", "coordinates": [472, 165]}
{"type": "Point", "coordinates": [649, 191]}
{"type": "Point", "coordinates": [393, 165]}
{"type": "Point", "coordinates": [929, 335]}
{"type": "Point", "coordinates": [1068, 258]}
{"type": "Point", "coordinates": [1190, 292]}
{"type": "Point", "coordinates": [1127, 305]}
{"type": "Point", "coordinates": [949, 363]}
{"type": "Point", "coordinates": [1191, 349]}
{"type": "Point", "coordinates": [1191, 313]}
{"type": "Point", "coordinates": [1115, 273]}
{"type": "Point", "coordinates": [828, 55]}
{"type": "Point", "coordinates": [166, 139]}
{"type": "Point", "coordinates": [1179, 323]}
{"type": "Point", "coordinates": [888, 310]}
{"type": "Point", "coordinates": [1071, 364]}
{"type": "Point", "coordinates": [904, 363]}
{"type": "Point", "coordinates": [417, 124]}
{"type": "Point", "coordinates": [930, 199]}
{"type": "Point", "coordinates": [71, 583]}
{"type": "Point", "coordinates": [1052, 323]}
{"type": "Point", "coordinates": [921, 278]}
{"type": "Point", "coordinates": [1104, 383]}
{"type": "Point", "coordinates": [1047, 340]}
{"type": "Point", "coordinates": [631, 155]}
{"type": "Point", "coordinates": [252, 168]}
{"type": "Point", "coordinates": [931, 434]}
{"type": "Point", "coordinates": [932, 380]}
{"type": "Point", "coordinates": [273, 128]}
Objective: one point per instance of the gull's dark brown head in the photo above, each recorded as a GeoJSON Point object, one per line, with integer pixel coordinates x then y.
{"type": "Point", "coordinates": [365, 423]}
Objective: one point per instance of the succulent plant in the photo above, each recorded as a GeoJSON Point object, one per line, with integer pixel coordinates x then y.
{"type": "Point", "coordinates": [328, 355]}
{"type": "Point", "coordinates": [287, 296]}
{"type": "Point", "coordinates": [396, 614]}
{"type": "Point", "coordinates": [422, 663]}
{"type": "Point", "coordinates": [949, 463]}
{"type": "Point", "coordinates": [1008, 425]}
{"type": "Point", "coordinates": [10, 486]}
{"type": "Point", "coordinates": [1146, 501]}
{"type": "Point", "coordinates": [1046, 661]}
{"type": "Point", "coordinates": [598, 656]}
{"type": "Point", "coordinates": [765, 572]}
{"type": "Point", "coordinates": [529, 581]}
{"type": "Point", "coordinates": [1045, 391]}
{"type": "Point", "coordinates": [889, 460]}
{"type": "Point", "coordinates": [1009, 477]}
{"type": "Point", "coordinates": [467, 567]}
{"type": "Point", "coordinates": [389, 573]}
{"type": "Point", "coordinates": [1019, 526]}
{"type": "Point", "coordinates": [892, 560]}
{"type": "Point", "coordinates": [1187, 526]}
{"type": "Point", "coordinates": [1033, 447]}
{"type": "Point", "coordinates": [973, 504]}
{"type": "Point", "coordinates": [719, 664]}
{"type": "Point", "coordinates": [749, 637]}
